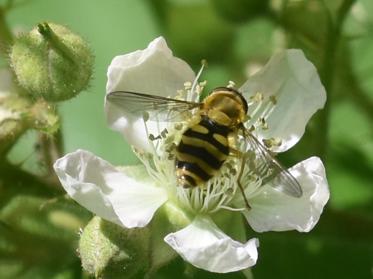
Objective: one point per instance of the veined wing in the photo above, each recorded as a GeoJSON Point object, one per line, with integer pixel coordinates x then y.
{"type": "Point", "coordinates": [270, 170]}
{"type": "Point", "coordinates": [155, 107]}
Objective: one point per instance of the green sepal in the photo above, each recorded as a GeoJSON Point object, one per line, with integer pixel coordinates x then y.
{"type": "Point", "coordinates": [110, 251]}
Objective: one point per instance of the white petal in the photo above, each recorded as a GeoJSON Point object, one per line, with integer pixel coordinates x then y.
{"type": "Point", "coordinates": [274, 211]}
{"type": "Point", "coordinates": [126, 197]}
{"type": "Point", "coordinates": [136, 203]}
{"type": "Point", "coordinates": [294, 81]}
{"type": "Point", "coordinates": [205, 246]}
{"type": "Point", "coordinates": [153, 70]}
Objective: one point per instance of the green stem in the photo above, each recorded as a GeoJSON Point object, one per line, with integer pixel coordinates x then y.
{"type": "Point", "coordinates": [327, 74]}
{"type": "Point", "coordinates": [350, 81]}
{"type": "Point", "coordinates": [51, 150]}
{"type": "Point", "coordinates": [362, 100]}
{"type": "Point", "coordinates": [10, 131]}
{"type": "Point", "coordinates": [6, 38]}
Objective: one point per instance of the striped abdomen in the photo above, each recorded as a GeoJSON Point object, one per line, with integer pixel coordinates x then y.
{"type": "Point", "coordinates": [202, 151]}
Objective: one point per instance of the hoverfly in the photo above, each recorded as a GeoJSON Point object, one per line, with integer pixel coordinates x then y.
{"type": "Point", "coordinates": [205, 145]}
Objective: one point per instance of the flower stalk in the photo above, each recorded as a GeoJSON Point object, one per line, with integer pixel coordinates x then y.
{"type": "Point", "coordinates": [17, 115]}
{"type": "Point", "coordinates": [6, 37]}
{"type": "Point", "coordinates": [327, 73]}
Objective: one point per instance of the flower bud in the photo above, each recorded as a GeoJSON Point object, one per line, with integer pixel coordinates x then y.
{"type": "Point", "coordinates": [110, 251]}
{"type": "Point", "coordinates": [52, 62]}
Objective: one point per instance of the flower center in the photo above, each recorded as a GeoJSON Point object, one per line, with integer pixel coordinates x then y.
{"type": "Point", "coordinates": [217, 193]}
{"type": "Point", "coordinates": [220, 192]}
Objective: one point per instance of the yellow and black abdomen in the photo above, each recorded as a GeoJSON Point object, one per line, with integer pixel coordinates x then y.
{"type": "Point", "coordinates": [201, 152]}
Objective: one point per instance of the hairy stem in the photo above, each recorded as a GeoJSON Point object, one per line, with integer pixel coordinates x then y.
{"type": "Point", "coordinates": [51, 149]}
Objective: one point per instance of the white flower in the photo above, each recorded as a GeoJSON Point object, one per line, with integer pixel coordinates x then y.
{"type": "Point", "coordinates": [130, 196]}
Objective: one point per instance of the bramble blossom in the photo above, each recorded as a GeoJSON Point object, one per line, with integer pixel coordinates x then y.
{"type": "Point", "coordinates": [282, 97]}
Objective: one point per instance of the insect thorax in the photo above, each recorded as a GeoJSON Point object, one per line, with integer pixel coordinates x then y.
{"type": "Point", "coordinates": [225, 106]}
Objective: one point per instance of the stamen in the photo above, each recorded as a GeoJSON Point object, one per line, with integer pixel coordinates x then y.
{"type": "Point", "coordinates": [273, 99]}
{"type": "Point", "coordinates": [268, 110]}
{"type": "Point", "coordinates": [231, 84]}
{"type": "Point", "coordinates": [164, 133]}
{"type": "Point", "coordinates": [271, 142]}
{"type": "Point", "coordinates": [145, 116]}
{"type": "Point", "coordinates": [195, 199]}
{"type": "Point", "coordinates": [258, 97]}
{"type": "Point", "coordinates": [187, 85]}
{"type": "Point", "coordinates": [264, 108]}
{"type": "Point", "coordinates": [152, 137]}
{"type": "Point", "coordinates": [233, 209]}
{"type": "Point", "coordinates": [148, 135]}
{"type": "Point", "coordinates": [155, 163]}
{"type": "Point", "coordinates": [222, 189]}
{"type": "Point", "coordinates": [194, 95]}
{"type": "Point", "coordinates": [263, 123]}
{"type": "Point", "coordinates": [202, 84]}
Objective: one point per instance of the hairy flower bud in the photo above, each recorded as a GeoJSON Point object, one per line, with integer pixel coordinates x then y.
{"type": "Point", "coordinates": [52, 62]}
{"type": "Point", "coordinates": [110, 251]}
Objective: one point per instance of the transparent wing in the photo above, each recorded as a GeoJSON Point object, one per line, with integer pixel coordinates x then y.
{"type": "Point", "coordinates": [156, 107]}
{"type": "Point", "coordinates": [270, 170]}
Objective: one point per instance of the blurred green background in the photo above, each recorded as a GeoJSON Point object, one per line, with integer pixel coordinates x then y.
{"type": "Point", "coordinates": [235, 37]}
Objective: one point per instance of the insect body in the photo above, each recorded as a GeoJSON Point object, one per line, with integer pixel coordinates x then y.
{"type": "Point", "coordinates": [206, 144]}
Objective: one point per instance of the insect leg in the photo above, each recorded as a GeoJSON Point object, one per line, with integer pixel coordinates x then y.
{"type": "Point", "coordinates": [239, 181]}
{"type": "Point", "coordinates": [238, 154]}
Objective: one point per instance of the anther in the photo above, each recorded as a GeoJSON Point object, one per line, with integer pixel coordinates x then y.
{"type": "Point", "coordinates": [153, 138]}
{"type": "Point", "coordinates": [164, 133]}
{"type": "Point", "coordinates": [233, 171]}
{"type": "Point", "coordinates": [273, 99]}
{"type": "Point", "coordinates": [231, 84]}
{"type": "Point", "coordinates": [258, 97]}
{"type": "Point", "coordinates": [178, 126]}
{"type": "Point", "coordinates": [145, 116]}
{"type": "Point", "coordinates": [187, 85]}
{"type": "Point", "coordinates": [272, 142]}
{"type": "Point", "coordinates": [203, 83]}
